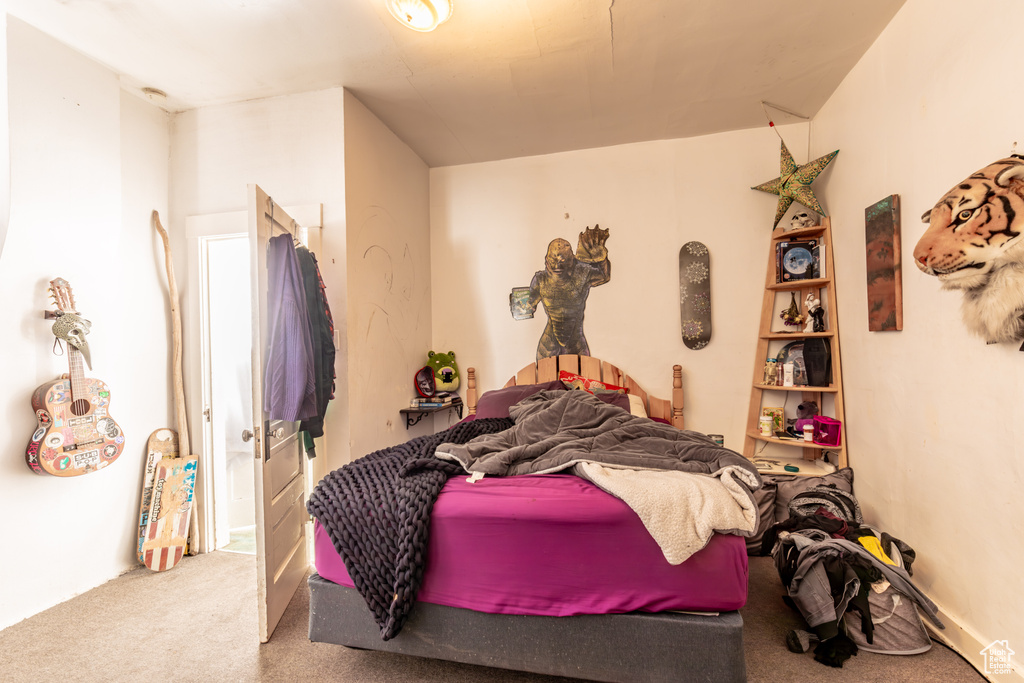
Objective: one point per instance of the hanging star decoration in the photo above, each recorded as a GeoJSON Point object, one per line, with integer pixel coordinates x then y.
{"type": "Point", "coordinates": [794, 183]}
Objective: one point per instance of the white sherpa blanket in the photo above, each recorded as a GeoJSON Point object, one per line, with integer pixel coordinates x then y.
{"type": "Point", "coordinates": [681, 509]}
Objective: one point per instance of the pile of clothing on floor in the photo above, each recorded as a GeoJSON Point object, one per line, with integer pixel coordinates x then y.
{"type": "Point", "coordinates": [850, 581]}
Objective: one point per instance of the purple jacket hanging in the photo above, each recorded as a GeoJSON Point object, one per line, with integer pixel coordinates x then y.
{"type": "Point", "coordinates": [289, 388]}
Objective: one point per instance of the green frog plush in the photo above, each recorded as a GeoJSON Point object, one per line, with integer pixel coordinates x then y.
{"type": "Point", "coordinates": [446, 371]}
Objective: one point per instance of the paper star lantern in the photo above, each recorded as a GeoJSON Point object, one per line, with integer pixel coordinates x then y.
{"type": "Point", "coordinates": [794, 183]}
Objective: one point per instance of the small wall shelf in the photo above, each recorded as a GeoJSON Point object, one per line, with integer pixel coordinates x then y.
{"type": "Point", "coordinates": [414, 415]}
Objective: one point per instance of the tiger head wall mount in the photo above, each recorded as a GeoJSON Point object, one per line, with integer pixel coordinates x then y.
{"type": "Point", "coordinates": [973, 243]}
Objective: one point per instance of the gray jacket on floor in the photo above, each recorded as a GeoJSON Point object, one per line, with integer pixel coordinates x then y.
{"type": "Point", "coordinates": [810, 588]}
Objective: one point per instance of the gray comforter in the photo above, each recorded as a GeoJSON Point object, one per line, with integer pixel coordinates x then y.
{"type": "Point", "coordinates": [555, 430]}
{"type": "Point", "coordinates": [682, 485]}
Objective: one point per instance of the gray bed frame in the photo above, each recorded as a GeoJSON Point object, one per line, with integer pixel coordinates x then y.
{"type": "Point", "coordinates": [666, 646]}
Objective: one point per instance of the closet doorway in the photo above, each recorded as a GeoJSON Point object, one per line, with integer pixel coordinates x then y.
{"type": "Point", "coordinates": [219, 381]}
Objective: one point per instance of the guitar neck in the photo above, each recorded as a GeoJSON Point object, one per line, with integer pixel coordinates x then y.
{"type": "Point", "coordinates": [75, 373]}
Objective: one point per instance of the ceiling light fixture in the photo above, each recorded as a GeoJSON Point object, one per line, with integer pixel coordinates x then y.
{"type": "Point", "coordinates": [421, 15]}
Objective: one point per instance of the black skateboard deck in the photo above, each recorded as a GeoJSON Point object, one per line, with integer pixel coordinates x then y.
{"type": "Point", "coordinates": [695, 295]}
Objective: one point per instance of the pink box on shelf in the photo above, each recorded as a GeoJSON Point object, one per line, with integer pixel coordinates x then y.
{"type": "Point", "coordinates": [827, 431]}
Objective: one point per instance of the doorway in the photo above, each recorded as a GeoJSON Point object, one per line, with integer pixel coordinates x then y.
{"type": "Point", "coordinates": [219, 382]}
{"type": "Point", "coordinates": [227, 293]}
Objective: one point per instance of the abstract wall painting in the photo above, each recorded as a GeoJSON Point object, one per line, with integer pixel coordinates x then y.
{"type": "Point", "coordinates": [884, 273]}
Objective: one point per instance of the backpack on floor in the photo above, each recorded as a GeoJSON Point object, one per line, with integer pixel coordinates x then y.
{"type": "Point", "coordinates": [840, 503]}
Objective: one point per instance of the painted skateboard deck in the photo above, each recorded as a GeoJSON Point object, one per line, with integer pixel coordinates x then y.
{"type": "Point", "coordinates": [167, 526]}
{"type": "Point", "coordinates": [163, 443]}
{"type": "Point", "coordinates": [695, 294]}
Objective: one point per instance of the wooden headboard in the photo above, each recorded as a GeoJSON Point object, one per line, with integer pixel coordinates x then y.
{"type": "Point", "coordinates": [547, 369]}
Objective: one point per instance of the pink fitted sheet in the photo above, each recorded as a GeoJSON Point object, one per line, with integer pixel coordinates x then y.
{"type": "Point", "coordinates": [556, 545]}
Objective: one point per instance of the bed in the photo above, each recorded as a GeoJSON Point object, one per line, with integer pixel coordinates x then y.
{"type": "Point", "coordinates": [586, 592]}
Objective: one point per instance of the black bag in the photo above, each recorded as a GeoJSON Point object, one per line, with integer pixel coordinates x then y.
{"type": "Point", "coordinates": [840, 503]}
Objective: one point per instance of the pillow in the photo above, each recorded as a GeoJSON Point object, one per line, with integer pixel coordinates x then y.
{"type": "Point", "coordinates": [789, 486]}
{"type": "Point", "coordinates": [636, 405]}
{"type": "Point", "coordinates": [616, 399]}
{"type": "Point", "coordinates": [574, 381]}
{"type": "Point", "coordinates": [497, 402]}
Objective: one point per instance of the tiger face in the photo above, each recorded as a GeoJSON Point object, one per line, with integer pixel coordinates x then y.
{"type": "Point", "coordinates": [975, 227]}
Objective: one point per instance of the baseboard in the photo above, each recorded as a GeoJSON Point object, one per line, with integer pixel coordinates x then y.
{"type": "Point", "coordinates": [969, 646]}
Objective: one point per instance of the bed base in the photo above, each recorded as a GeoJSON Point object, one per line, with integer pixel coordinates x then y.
{"type": "Point", "coordinates": [666, 646]}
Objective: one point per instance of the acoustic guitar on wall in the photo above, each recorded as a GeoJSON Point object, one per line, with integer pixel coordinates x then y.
{"type": "Point", "coordinates": [75, 433]}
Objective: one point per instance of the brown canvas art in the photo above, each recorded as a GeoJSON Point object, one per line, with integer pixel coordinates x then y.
{"type": "Point", "coordinates": [884, 274]}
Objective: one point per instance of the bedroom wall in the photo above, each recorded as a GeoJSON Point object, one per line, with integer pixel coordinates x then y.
{"type": "Point", "coordinates": [88, 164]}
{"type": "Point", "coordinates": [389, 275]}
{"type": "Point", "coordinates": [491, 224]}
{"type": "Point", "coordinates": [934, 413]}
{"type": "Point", "coordinates": [293, 148]}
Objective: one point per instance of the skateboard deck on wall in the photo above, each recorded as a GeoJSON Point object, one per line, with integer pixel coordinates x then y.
{"type": "Point", "coordinates": [163, 443]}
{"type": "Point", "coordinates": [167, 525]}
{"type": "Point", "coordinates": [695, 295]}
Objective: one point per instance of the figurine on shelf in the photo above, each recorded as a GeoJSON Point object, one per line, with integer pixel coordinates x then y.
{"type": "Point", "coordinates": [801, 219]}
{"type": "Point", "coordinates": [805, 413]}
{"type": "Point", "coordinates": [815, 314]}
{"type": "Point", "coordinates": [791, 316]}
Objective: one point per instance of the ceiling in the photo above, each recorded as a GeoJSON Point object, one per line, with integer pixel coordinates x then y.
{"type": "Point", "coordinates": [500, 79]}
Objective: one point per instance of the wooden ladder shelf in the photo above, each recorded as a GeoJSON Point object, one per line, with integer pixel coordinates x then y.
{"type": "Point", "coordinates": [830, 398]}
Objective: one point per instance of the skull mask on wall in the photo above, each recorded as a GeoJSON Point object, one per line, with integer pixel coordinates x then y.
{"type": "Point", "coordinates": [72, 328]}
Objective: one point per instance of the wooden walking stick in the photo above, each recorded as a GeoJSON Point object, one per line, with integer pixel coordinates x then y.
{"type": "Point", "coordinates": [168, 520]}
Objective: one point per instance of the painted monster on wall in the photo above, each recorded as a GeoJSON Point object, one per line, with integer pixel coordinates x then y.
{"type": "Point", "coordinates": [563, 287]}
{"type": "Point", "coordinates": [973, 243]}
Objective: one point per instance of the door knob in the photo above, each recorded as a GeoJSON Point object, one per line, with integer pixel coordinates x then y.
{"type": "Point", "coordinates": [246, 435]}
{"type": "Point", "coordinates": [278, 433]}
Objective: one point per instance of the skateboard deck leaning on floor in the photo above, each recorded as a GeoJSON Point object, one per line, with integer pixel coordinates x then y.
{"type": "Point", "coordinates": [695, 294]}
{"type": "Point", "coordinates": [168, 524]}
{"type": "Point", "coordinates": [163, 443]}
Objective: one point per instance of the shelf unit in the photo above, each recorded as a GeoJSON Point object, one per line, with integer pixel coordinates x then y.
{"type": "Point", "coordinates": [769, 341]}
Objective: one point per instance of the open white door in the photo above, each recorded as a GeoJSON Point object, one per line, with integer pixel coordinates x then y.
{"type": "Point", "coordinates": [281, 560]}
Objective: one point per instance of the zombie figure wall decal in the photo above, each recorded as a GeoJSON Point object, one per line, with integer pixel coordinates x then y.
{"type": "Point", "coordinates": [563, 287]}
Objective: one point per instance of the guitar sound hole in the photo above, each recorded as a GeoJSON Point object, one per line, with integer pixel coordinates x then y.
{"type": "Point", "coordinates": [80, 407]}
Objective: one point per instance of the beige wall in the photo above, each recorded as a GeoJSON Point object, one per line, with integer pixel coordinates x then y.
{"type": "Point", "coordinates": [491, 224]}
{"type": "Point", "coordinates": [935, 414]}
{"type": "Point", "coordinates": [293, 148]}
{"type": "Point", "coordinates": [389, 334]}
{"type": "Point", "coordinates": [88, 165]}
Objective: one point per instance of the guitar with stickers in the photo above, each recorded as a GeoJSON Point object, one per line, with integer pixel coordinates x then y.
{"type": "Point", "coordinates": [75, 433]}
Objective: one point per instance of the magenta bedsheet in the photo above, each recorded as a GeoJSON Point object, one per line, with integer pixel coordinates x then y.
{"type": "Point", "coordinates": [556, 545]}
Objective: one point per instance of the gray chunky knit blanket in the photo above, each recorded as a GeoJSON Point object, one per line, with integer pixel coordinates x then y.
{"type": "Point", "coordinates": [377, 513]}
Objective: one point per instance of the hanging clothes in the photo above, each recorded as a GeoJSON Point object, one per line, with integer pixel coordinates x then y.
{"type": "Point", "coordinates": [322, 327]}
{"type": "Point", "coordinates": [289, 387]}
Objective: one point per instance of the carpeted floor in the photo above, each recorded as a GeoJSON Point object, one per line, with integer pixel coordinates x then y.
{"type": "Point", "coordinates": [197, 622]}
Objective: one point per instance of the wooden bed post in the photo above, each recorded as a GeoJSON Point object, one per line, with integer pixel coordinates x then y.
{"type": "Point", "coordinates": [471, 390]}
{"type": "Point", "coordinates": [677, 396]}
